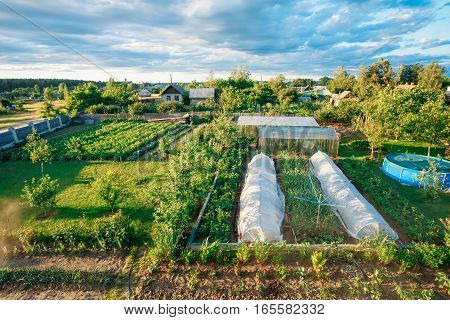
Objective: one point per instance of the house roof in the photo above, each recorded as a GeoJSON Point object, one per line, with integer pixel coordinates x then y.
{"type": "Point", "coordinates": [345, 94]}
{"type": "Point", "coordinates": [144, 93]}
{"type": "Point", "coordinates": [277, 121]}
{"type": "Point", "coordinates": [406, 86]}
{"type": "Point", "coordinates": [202, 93]}
{"type": "Point", "coordinates": [176, 87]}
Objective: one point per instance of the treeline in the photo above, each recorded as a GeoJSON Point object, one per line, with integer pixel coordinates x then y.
{"type": "Point", "coordinates": [8, 85]}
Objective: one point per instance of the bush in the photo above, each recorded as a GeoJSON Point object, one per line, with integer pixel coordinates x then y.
{"type": "Point", "coordinates": [170, 106]}
{"type": "Point", "coordinates": [139, 108]}
{"type": "Point", "coordinates": [112, 232]}
{"type": "Point", "coordinates": [345, 112]}
{"type": "Point", "coordinates": [104, 109]}
{"type": "Point", "coordinates": [206, 105]}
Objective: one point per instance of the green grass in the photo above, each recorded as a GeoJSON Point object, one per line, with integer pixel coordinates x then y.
{"type": "Point", "coordinates": [76, 197]}
{"type": "Point", "coordinates": [431, 208]}
{"type": "Point", "coordinates": [30, 112]}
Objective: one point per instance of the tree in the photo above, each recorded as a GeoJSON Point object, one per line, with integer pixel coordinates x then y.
{"type": "Point", "coordinates": [193, 85]}
{"type": "Point", "coordinates": [432, 123]}
{"type": "Point", "coordinates": [324, 81]}
{"type": "Point", "coordinates": [287, 96]}
{"type": "Point", "coordinates": [62, 91]}
{"type": "Point", "coordinates": [41, 193]}
{"type": "Point", "coordinates": [36, 91]}
{"type": "Point", "coordinates": [111, 188]}
{"type": "Point", "coordinates": [49, 111]}
{"type": "Point", "coordinates": [118, 93]}
{"type": "Point", "coordinates": [48, 94]}
{"type": "Point", "coordinates": [278, 83]}
{"type": "Point", "coordinates": [82, 97]}
{"type": "Point", "coordinates": [164, 147]}
{"type": "Point", "coordinates": [373, 130]}
{"type": "Point", "coordinates": [374, 78]}
{"type": "Point", "coordinates": [341, 81]}
{"type": "Point", "coordinates": [432, 76]}
{"type": "Point", "coordinates": [300, 82]}
{"type": "Point", "coordinates": [240, 78]}
{"type": "Point", "coordinates": [409, 73]}
{"type": "Point", "coordinates": [38, 149]}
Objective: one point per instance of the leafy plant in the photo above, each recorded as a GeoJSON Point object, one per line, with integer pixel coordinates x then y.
{"type": "Point", "coordinates": [243, 253]}
{"type": "Point", "coordinates": [111, 188]}
{"type": "Point", "coordinates": [414, 293]}
{"type": "Point", "coordinates": [261, 252]}
{"type": "Point", "coordinates": [41, 193]}
{"type": "Point", "coordinates": [318, 261]}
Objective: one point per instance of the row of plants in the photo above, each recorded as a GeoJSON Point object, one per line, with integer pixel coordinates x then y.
{"type": "Point", "coordinates": [163, 144]}
{"type": "Point", "coordinates": [216, 224]}
{"type": "Point", "coordinates": [112, 232]}
{"type": "Point", "coordinates": [376, 269]}
{"type": "Point", "coordinates": [413, 222]}
{"type": "Point", "coordinates": [114, 139]}
{"type": "Point", "coordinates": [310, 222]}
{"type": "Point", "coordinates": [191, 171]}
{"type": "Point", "coordinates": [32, 276]}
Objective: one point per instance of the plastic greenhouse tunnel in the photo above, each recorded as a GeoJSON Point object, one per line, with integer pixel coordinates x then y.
{"type": "Point", "coordinates": [262, 203]}
{"type": "Point", "coordinates": [357, 215]}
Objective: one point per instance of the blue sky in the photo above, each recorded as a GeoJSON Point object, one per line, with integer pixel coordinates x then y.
{"type": "Point", "coordinates": [148, 40]}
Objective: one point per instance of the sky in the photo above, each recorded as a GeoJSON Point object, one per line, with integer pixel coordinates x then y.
{"type": "Point", "coordinates": [146, 41]}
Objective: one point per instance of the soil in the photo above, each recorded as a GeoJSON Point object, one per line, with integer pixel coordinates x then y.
{"type": "Point", "coordinates": [293, 279]}
{"type": "Point", "coordinates": [112, 264]}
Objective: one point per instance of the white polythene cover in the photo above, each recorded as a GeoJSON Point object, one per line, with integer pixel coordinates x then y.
{"type": "Point", "coordinates": [358, 216]}
{"type": "Point", "coordinates": [261, 204]}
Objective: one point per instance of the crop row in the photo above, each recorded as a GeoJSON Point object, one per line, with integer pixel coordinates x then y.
{"type": "Point", "coordinates": [110, 140]}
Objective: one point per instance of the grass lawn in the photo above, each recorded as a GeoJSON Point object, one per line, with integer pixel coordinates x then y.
{"type": "Point", "coordinates": [76, 197]}
{"type": "Point", "coordinates": [432, 208]}
{"type": "Point", "coordinates": [30, 111]}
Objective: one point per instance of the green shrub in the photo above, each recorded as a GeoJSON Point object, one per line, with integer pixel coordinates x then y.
{"type": "Point", "coordinates": [261, 252]}
{"type": "Point", "coordinates": [243, 253]}
{"type": "Point", "coordinates": [170, 106]}
{"type": "Point", "coordinates": [318, 261]}
{"type": "Point", "coordinates": [113, 232]}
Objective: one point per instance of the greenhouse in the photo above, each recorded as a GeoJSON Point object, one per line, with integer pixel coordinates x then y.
{"type": "Point", "coordinates": [304, 140]}
{"type": "Point", "coordinates": [250, 124]}
{"type": "Point", "coordinates": [357, 215]}
{"type": "Point", "coordinates": [261, 204]}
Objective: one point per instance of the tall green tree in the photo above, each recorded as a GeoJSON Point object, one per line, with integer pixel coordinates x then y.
{"type": "Point", "coordinates": [118, 93]}
{"type": "Point", "coordinates": [82, 97]}
{"type": "Point", "coordinates": [431, 123]}
{"type": "Point", "coordinates": [48, 93]}
{"type": "Point", "coordinates": [409, 73]}
{"type": "Point", "coordinates": [432, 76]}
{"type": "Point", "coordinates": [62, 91]}
{"type": "Point", "coordinates": [342, 80]}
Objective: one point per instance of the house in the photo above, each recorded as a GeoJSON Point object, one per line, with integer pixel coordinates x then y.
{"type": "Point", "coordinates": [151, 98]}
{"type": "Point", "coordinates": [144, 93]}
{"type": "Point", "coordinates": [199, 94]}
{"type": "Point", "coordinates": [173, 92]}
{"type": "Point", "coordinates": [406, 86]}
{"type": "Point", "coordinates": [335, 98]}
{"type": "Point", "coordinates": [322, 91]}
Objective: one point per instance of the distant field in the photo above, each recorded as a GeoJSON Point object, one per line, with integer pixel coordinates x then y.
{"type": "Point", "coordinates": [31, 111]}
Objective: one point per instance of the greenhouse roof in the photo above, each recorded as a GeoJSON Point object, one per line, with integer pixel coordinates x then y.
{"type": "Point", "coordinates": [277, 121]}
{"type": "Point", "coordinates": [297, 133]}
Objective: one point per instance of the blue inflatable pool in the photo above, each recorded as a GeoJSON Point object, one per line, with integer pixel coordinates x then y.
{"type": "Point", "coordinates": [405, 168]}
